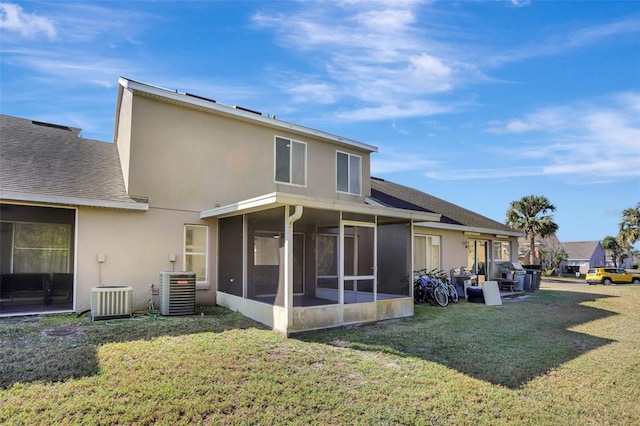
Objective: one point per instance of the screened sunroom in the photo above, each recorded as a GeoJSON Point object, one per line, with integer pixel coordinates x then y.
{"type": "Point", "coordinates": [36, 259]}
{"type": "Point", "coordinates": [296, 263]}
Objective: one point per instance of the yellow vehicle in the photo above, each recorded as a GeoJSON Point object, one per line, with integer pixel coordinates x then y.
{"type": "Point", "coordinates": [609, 275]}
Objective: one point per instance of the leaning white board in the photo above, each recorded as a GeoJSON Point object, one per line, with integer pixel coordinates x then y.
{"type": "Point", "coordinates": [491, 293]}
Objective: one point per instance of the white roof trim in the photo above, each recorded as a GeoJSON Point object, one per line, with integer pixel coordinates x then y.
{"type": "Point", "coordinates": [464, 228]}
{"type": "Point", "coordinates": [280, 199]}
{"type": "Point", "coordinates": [72, 201]}
{"type": "Point", "coordinates": [214, 106]}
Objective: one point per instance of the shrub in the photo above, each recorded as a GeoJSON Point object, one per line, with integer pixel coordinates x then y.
{"type": "Point", "coordinates": [536, 267]}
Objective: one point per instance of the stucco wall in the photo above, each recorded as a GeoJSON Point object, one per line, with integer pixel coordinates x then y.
{"type": "Point", "coordinates": [122, 134]}
{"type": "Point", "coordinates": [136, 246]}
{"type": "Point", "coordinates": [194, 160]}
{"type": "Point", "coordinates": [454, 252]}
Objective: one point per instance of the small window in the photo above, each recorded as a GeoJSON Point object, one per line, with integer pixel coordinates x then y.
{"type": "Point", "coordinates": [426, 252]}
{"type": "Point", "coordinates": [291, 161]}
{"type": "Point", "coordinates": [348, 173]}
{"type": "Point", "coordinates": [196, 247]}
{"type": "Point", "coordinates": [501, 250]}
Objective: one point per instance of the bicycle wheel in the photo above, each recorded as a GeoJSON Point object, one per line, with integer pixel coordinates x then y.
{"type": "Point", "coordinates": [453, 294]}
{"type": "Point", "coordinates": [440, 295]}
{"type": "Point", "coordinates": [419, 292]}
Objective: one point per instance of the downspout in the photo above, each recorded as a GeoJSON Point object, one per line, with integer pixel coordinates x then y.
{"type": "Point", "coordinates": [288, 280]}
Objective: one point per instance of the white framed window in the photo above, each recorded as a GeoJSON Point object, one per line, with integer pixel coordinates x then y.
{"type": "Point", "coordinates": [348, 173]}
{"type": "Point", "coordinates": [196, 249]}
{"type": "Point", "coordinates": [501, 250]}
{"type": "Point", "coordinates": [290, 161]}
{"type": "Point", "coordinates": [426, 252]}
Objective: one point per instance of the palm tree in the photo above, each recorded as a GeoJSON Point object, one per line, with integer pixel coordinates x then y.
{"type": "Point", "coordinates": [542, 253]}
{"type": "Point", "coordinates": [630, 225]}
{"type": "Point", "coordinates": [560, 257]}
{"type": "Point", "coordinates": [529, 215]}
{"type": "Point", "coordinates": [611, 244]}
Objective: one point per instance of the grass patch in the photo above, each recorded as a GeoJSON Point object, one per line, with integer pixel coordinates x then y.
{"type": "Point", "coordinates": [564, 355]}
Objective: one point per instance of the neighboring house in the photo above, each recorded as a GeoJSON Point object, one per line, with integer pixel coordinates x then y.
{"type": "Point", "coordinates": [626, 263]}
{"type": "Point", "coordinates": [581, 255]}
{"type": "Point", "coordinates": [550, 243]}
{"type": "Point", "coordinates": [280, 222]}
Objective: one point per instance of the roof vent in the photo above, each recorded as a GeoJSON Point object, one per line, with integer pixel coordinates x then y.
{"type": "Point", "coordinates": [200, 97]}
{"type": "Point", "coordinates": [53, 126]}
{"type": "Point", "coordinates": [247, 109]}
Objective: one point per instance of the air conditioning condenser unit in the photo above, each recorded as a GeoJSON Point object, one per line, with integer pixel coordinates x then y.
{"type": "Point", "coordinates": [177, 293]}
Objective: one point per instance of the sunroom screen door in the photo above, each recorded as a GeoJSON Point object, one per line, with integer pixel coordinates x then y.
{"type": "Point", "coordinates": [359, 259]}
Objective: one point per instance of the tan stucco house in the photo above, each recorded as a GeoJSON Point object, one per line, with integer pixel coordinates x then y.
{"type": "Point", "coordinates": [278, 221]}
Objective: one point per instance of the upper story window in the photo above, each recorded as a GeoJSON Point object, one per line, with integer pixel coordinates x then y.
{"type": "Point", "coordinates": [348, 173]}
{"type": "Point", "coordinates": [291, 161]}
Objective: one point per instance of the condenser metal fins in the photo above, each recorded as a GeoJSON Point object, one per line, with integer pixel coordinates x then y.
{"type": "Point", "coordinates": [177, 293]}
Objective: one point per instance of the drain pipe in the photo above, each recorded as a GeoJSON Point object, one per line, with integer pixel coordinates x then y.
{"type": "Point", "coordinates": [288, 267]}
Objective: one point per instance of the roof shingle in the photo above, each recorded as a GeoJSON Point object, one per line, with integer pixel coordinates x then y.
{"type": "Point", "coordinates": [394, 195]}
{"type": "Point", "coordinates": [52, 160]}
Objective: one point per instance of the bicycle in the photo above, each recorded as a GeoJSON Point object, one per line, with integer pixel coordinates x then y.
{"type": "Point", "coordinates": [445, 282]}
{"type": "Point", "coordinates": [427, 288]}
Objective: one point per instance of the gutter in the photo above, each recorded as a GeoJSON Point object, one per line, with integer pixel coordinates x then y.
{"type": "Point", "coordinates": [9, 196]}
{"type": "Point", "coordinates": [465, 228]}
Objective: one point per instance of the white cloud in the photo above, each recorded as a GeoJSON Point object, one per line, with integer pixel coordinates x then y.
{"type": "Point", "coordinates": [390, 111]}
{"type": "Point", "coordinates": [373, 53]}
{"type": "Point", "coordinates": [387, 19]}
{"type": "Point", "coordinates": [14, 18]}
{"type": "Point", "coordinates": [559, 40]}
{"type": "Point", "coordinates": [595, 33]}
{"type": "Point", "coordinates": [391, 161]}
{"type": "Point", "coordinates": [315, 91]}
{"type": "Point", "coordinates": [595, 139]}
{"type": "Point", "coordinates": [548, 119]}
{"type": "Point", "coordinates": [584, 142]}
{"type": "Point", "coordinates": [85, 42]}
{"type": "Point", "coordinates": [95, 70]}
{"type": "Point", "coordinates": [520, 3]}
{"type": "Point", "coordinates": [493, 173]}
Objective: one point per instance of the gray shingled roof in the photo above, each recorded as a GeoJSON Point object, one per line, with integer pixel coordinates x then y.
{"type": "Point", "coordinates": [52, 160]}
{"type": "Point", "coordinates": [394, 195]}
{"type": "Point", "coordinates": [580, 250]}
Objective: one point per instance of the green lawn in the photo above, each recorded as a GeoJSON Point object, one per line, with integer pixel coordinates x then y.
{"type": "Point", "coordinates": [567, 354]}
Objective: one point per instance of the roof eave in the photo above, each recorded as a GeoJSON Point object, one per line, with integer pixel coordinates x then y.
{"type": "Point", "coordinates": [275, 199]}
{"type": "Point", "coordinates": [9, 196]}
{"type": "Point", "coordinates": [464, 228]}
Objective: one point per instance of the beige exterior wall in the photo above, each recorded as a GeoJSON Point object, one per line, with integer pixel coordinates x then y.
{"type": "Point", "coordinates": [454, 252]}
{"type": "Point", "coordinates": [189, 159]}
{"type": "Point", "coordinates": [122, 133]}
{"type": "Point", "coordinates": [136, 246]}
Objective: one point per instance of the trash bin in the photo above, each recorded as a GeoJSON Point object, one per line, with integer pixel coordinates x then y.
{"type": "Point", "coordinates": [533, 277]}
{"type": "Point", "coordinates": [527, 281]}
{"type": "Point", "coordinates": [535, 280]}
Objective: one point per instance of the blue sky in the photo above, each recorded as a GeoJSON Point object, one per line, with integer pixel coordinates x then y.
{"type": "Point", "coordinates": [478, 103]}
